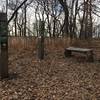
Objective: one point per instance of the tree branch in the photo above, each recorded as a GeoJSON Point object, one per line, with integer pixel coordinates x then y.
{"type": "Point", "coordinates": [16, 11]}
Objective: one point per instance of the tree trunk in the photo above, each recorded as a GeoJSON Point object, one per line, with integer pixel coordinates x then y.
{"type": "Point", "coordinates": [82, 32]}
{"type": "Point", "coordinates": [54, 27]}
{"type": "Point", "coordinates": [66, 21]}
{"type": "Point", "coordinates": [15, 24]}
{"type": "Point", "coordinates": [25, 19]}
{"type": "Point", "coordinates": [41, 41]}
{"type": "Point", "coordinates": [74, 19]}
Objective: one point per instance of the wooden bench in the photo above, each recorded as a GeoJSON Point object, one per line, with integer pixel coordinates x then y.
{"type": "Point", "coordinates": [88, 52]}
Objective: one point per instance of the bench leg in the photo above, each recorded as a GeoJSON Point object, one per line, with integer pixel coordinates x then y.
{"type": "Point", "coordinates": [67, 53]}
{"type": "Point", "coordinates": [90, 57]}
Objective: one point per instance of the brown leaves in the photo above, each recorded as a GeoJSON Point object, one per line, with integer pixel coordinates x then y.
{"type": "Point", "coordinates": [54, 78]}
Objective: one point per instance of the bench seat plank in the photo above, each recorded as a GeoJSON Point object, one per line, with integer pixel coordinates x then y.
{"type": "Point", "coordinates": [78, 49]}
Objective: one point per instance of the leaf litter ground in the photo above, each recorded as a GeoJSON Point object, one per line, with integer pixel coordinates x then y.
{"type": "Point", "coordinates": [54, 78]}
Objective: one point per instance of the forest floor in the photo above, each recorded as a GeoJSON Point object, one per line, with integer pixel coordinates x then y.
{"type": "Point", "coordinates": [54, 78]}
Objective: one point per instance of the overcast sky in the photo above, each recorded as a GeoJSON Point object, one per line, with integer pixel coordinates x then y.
{"type": "Point", "coordinates": [2, 5]}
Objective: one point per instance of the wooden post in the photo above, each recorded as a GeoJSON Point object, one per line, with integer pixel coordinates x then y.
{"type": "Point", "coordinates": [41, 40]}
{"type": "Point", "coordinates": [90, 56]}
{"type": "Point", "coordinates": [4, 46]}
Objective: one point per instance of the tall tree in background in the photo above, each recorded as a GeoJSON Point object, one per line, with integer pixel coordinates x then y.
{"type": "Point", "coordinates": [86, 23]}
{"type": "Point", "coordinates": [66, 11]}
{"type": "Point", "coordinates": [25, 18]}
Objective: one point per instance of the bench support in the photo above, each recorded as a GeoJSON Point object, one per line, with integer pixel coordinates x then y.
{"type": "Point", "coordinates": [90, 56]}
{"type": "Point", "coordinates": [67, 53]}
